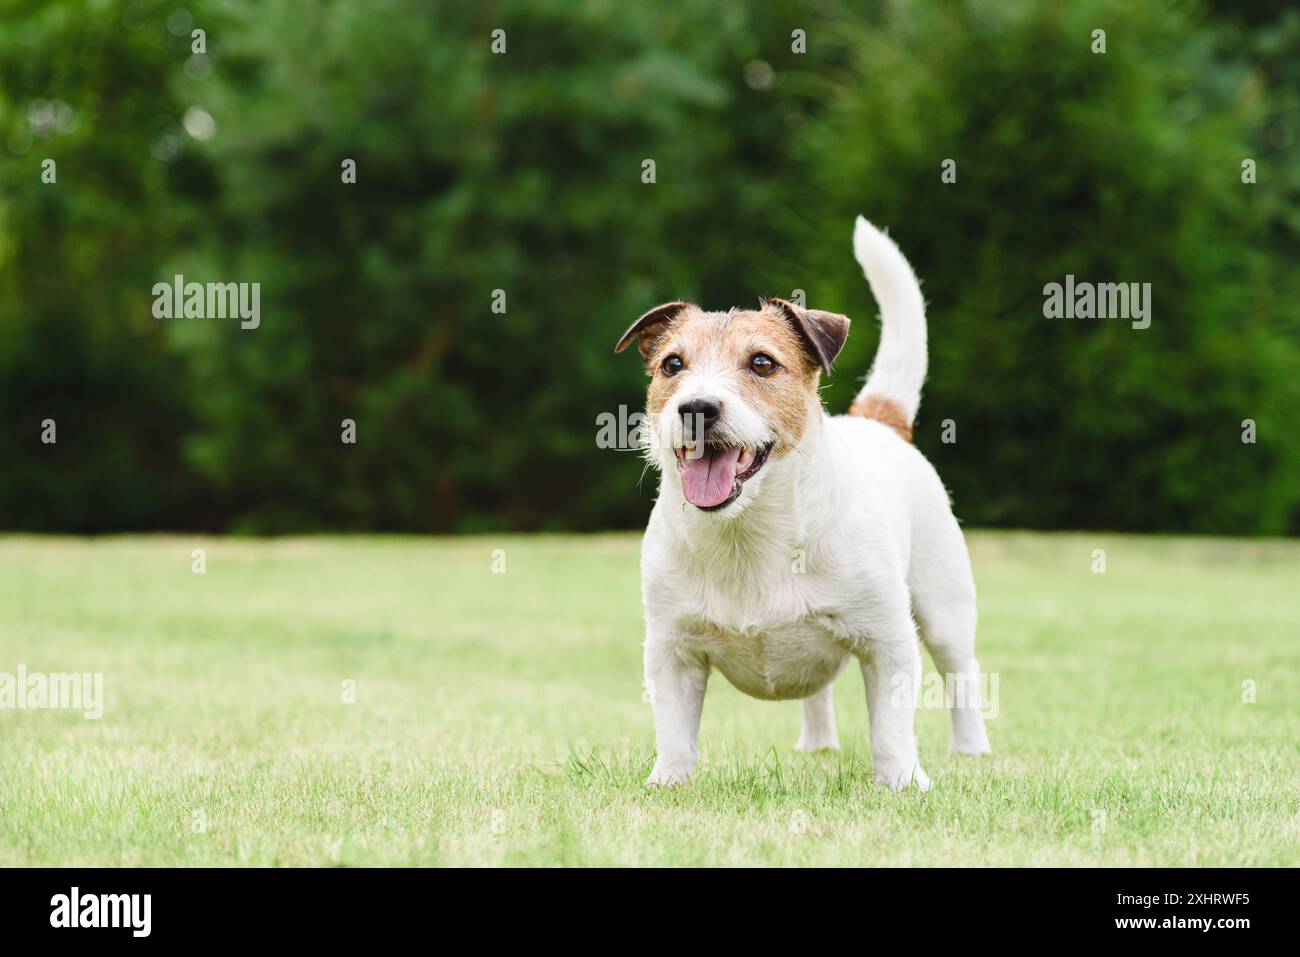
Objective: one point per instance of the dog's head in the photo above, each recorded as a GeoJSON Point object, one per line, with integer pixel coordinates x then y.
{"type": "Point", "coordinates": [732, 393]}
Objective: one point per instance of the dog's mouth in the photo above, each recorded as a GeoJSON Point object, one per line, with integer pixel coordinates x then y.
{"type": "Point", "coordinates": [712, 479]}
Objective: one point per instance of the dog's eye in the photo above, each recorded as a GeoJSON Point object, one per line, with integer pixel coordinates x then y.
{"type": "Point", "coordinates": [671, 365]}
{"type": "Point", "coordinates": [762, 364]}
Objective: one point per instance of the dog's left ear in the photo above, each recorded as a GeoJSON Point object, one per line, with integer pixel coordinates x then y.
{"type": "Point", "coordinates": [823, 333]}
{"type": "Point", "coordinates": [649, 327]}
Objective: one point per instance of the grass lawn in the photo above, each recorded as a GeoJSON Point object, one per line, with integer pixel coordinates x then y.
{"type": "Point", "coordinates": [499, 718]}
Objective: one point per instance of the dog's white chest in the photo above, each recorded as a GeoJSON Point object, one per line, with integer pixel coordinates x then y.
{"type": "Point", "coordinates": [790, 660]}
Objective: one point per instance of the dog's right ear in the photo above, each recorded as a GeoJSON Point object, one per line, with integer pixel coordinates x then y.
{"type": "Point", "coordinates": [647, 330]}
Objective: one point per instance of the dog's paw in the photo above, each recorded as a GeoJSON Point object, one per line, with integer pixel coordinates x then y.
{"type": "Point", "coordinates": [970, 741]}
{"type": "Point", "coordinates": [667, 775]}
{"type": "Point", "coordinates": [811, 744]}
{"type": "Point", "coordinates": [905, 776]}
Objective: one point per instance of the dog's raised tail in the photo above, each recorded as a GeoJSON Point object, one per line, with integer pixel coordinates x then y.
{"type": "Point", "coordinates": [893, 389]}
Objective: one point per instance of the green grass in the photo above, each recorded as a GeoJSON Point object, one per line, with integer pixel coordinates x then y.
{"type": "Point", "coordinates": [499, 718]}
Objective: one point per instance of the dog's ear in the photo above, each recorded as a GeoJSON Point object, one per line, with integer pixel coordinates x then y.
{"type": "Point", "coordinates": [647, 330]}
{"type": "Point", "coordinates": [823, 333]}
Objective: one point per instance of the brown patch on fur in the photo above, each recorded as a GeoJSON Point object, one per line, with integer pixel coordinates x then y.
{"type": "Point", "coordinates": [883, 410]}
{"type": "Point", "coordinates": [725, 342]}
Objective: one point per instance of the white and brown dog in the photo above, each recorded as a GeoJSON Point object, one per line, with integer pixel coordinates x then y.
{"type": "Point", "coordinates": [785, 540]}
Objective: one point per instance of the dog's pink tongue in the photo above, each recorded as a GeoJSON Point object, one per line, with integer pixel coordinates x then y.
{"type": "Point", "coordinates": [709, 479]}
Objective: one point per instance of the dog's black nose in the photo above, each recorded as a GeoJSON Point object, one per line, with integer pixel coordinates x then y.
{"type": "Point", "coordinates": [699, 412]}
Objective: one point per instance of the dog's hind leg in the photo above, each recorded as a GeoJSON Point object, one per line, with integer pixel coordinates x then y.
{"type": "Point", "coordinates": [818, 733]}
{"type": "Point", "coordinates": [943, 599]}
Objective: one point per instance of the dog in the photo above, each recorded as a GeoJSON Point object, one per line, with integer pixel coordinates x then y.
{"type": "Point", "coordinates": [785, 541]}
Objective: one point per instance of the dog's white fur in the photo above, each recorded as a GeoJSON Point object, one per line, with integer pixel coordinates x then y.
{"type": "Point", "coordinates": [827, 555]}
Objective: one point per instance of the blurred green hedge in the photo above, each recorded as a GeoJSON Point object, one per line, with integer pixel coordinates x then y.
{"type": "Point", "coordinates": [523, 172]}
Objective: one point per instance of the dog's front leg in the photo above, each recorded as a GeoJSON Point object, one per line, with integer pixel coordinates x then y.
{"type": "Point", "coordinates": [891, 670]}
{"type": "Point", "coordinates": [676, 681]}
